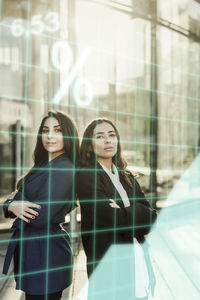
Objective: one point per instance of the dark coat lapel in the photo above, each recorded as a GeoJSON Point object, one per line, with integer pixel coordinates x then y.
{"type": "Point", "coordinates": [108, 186]}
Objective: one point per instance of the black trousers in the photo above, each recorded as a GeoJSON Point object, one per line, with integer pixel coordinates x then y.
{"type": "Point", "coordinates": [54, 296]}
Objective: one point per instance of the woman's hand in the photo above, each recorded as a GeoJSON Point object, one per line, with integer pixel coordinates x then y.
{"type": "Point", "coordinates": [113, 204]}
{"type": "Point", "coordinates": [23, 210]}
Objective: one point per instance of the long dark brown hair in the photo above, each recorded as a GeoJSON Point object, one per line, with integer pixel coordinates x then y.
{"type": "Point", "coordinates": [70, 139]}
{"type": "Point", "coordinates": [88, 157]}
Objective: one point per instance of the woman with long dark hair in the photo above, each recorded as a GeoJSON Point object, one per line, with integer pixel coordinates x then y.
{"type": "Point", "coordinates": [115, 216]}
{"type": "Point", "coordinates": [41, 248]}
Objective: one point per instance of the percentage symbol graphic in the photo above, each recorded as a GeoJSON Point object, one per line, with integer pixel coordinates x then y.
{"type": "Point", "coordinates": [64, 67]}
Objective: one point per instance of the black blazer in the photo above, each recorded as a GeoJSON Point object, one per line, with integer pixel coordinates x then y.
{"type": "Point", "coordinates": [102, 225]}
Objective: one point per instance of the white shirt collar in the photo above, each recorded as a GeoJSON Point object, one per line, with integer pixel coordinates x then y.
{"type": "Point", "coordinates": [116, 174]}
{"type": "Point", "coordinates": [119, 187]}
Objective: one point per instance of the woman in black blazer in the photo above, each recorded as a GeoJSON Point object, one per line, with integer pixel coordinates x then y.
{"type": "Point", "coordinates": [114, 212]}
{"type": "Point", "coordinates": [42, 253]}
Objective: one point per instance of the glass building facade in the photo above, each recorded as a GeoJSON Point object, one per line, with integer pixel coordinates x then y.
{"type": "Point", "coordinates": [136, 62]}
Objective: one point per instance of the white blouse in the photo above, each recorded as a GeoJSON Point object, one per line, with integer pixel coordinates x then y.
{"type": "Point", "coordinates": [141, 273]}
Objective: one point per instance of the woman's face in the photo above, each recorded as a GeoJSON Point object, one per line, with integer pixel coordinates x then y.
{"type": "Point", "coordinates": [52, 137]}
{"type": "Point", "coordinates": [104, 141]}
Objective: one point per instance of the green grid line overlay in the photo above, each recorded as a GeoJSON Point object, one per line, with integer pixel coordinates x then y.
{"type": "Point", "coordinates": [119, 94]}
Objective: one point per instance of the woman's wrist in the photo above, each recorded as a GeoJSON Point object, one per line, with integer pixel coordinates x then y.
{"type": "Point", "coordinates": [7, 207]}
{"type": "Point", "coordinates": [9, 210]}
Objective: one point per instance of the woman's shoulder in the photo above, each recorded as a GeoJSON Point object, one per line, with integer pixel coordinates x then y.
{"type": "Point", "coordinates": [126, 172]}
{"type": "Point", "coordinates": [132, 174]}
{"type": "Point", "coordinates": [62, 162]}
{"type": "Point", "coordinates": [131, 177]}
{"type": "Point", "coordinates": [60, 166]}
